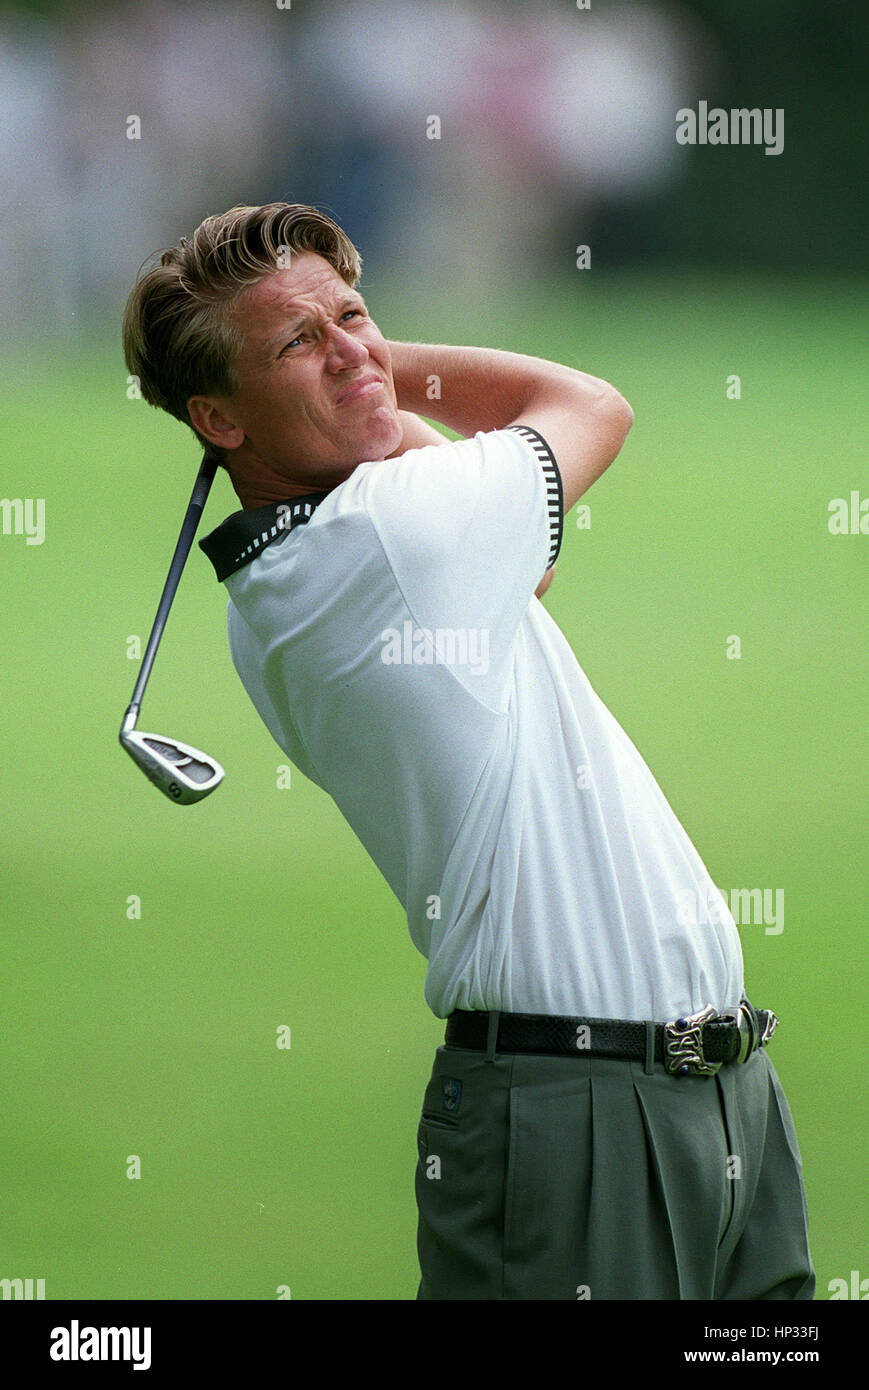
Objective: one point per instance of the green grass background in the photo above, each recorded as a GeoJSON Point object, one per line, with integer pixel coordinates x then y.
{"type": "Point", "coordinates": [263, 1167]}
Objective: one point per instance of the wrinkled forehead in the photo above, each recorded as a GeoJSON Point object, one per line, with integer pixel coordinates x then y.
{"type": "Point", "coordinates": [307, 283]}
{"type": "Point", "coordinates": [309, 286]}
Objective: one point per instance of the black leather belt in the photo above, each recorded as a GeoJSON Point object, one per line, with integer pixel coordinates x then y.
{"type": "Point", "coordinates": [697, 1044]}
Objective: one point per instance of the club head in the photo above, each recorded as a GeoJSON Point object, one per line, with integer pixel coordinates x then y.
{"type": "Point", "coordinates": [182, 773]}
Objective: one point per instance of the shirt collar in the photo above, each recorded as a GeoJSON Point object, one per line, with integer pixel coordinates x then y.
{"type": "Point", "coordinates": [242, 536]}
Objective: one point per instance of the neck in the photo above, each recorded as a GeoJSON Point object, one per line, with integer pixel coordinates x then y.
{"type": "Point", "coordinates": [253, 498]}
{"type": "Point", "coordinates": [258, 485]}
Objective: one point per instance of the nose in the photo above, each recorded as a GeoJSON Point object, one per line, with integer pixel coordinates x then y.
{"type": "Point", "coordinates": [345, 349]}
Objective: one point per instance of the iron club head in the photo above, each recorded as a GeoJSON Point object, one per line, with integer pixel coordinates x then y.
{"type": "Point", "coordinates": [182, 773]}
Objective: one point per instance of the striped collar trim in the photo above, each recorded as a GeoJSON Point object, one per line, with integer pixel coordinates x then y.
{"type": "Point", "coordinates": [243, 535]}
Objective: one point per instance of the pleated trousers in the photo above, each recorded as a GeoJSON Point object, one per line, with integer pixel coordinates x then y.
{"type": "Point", "coordinates": [575, 1177]}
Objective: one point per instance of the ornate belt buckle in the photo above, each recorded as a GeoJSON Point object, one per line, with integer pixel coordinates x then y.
{"type": "Point", "coordinates": [769, 1028]}
{"type": "Point", "coordinates": [683, 1044]}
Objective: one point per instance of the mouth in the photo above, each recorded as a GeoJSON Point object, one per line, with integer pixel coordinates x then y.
{"type": "Point", "coordinates": [363, 387]}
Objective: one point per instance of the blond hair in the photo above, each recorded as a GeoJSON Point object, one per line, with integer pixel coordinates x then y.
{"type": "Point", "coordinates": [180, 339]}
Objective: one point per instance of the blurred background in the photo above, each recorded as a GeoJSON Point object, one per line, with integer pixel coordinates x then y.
{"type": "Point", "coordinates": [469, 149]}
{"type": "Point", "coordinates": [554, 121]}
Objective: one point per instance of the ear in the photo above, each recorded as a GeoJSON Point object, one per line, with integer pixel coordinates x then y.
{"type": "Point", "coordinates": [212, 424]}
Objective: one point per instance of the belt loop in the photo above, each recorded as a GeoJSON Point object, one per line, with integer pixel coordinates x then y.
{"type": "Point", "coordinates": [753, 1027]}
{"type": "Point", "coordinates": [492, 1034]}
{"type": "Point", "coordinates": [649, 1066]}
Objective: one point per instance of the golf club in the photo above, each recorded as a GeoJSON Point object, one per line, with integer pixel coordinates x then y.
{"type": "Point", "coordinates": [182, 773]}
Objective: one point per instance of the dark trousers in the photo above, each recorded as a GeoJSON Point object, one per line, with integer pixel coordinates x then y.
{"type": "Point", "coordinates": [574, 1177]}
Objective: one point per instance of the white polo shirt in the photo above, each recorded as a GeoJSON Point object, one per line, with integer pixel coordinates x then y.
{"type": "Point", "coordinates": [395, 650]}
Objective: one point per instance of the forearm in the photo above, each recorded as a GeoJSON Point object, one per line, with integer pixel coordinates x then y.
{"type": "Point", "coordinates": [471, 388]}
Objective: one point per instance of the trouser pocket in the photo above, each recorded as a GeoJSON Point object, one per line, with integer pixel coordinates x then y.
{"type": "Point", "coordinates": [459, 1184]}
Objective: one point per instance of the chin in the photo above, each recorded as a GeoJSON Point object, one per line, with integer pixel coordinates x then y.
{"type": "Point", "coordinates": [383, 438]}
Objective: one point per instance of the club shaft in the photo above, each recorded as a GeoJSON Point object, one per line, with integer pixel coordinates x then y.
{"type": "Point", "coordinates": [201, 488]}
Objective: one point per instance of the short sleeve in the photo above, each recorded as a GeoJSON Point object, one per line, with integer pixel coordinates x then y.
{"type": "Point", "coordinates": [554, 490]}
{"type": "Point", "coordinates": [469, 528]}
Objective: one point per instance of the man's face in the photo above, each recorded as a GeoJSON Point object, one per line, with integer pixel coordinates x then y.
{"type": "Point", "coordinates": [316, 395]}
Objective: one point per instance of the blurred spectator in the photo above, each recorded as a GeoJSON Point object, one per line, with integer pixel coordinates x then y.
{"type": "Point", "coordinates": [555, 122]}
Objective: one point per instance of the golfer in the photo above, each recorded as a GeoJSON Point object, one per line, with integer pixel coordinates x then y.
{"type": "Point", "coordinates": [603, 1120]}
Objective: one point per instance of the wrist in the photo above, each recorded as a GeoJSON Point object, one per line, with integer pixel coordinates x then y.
{"type": "Point", "coordinates": [408, 376]}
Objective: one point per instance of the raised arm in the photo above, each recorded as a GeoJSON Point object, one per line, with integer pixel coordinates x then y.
{"type": "Point", "coordinates": [584, 420]}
